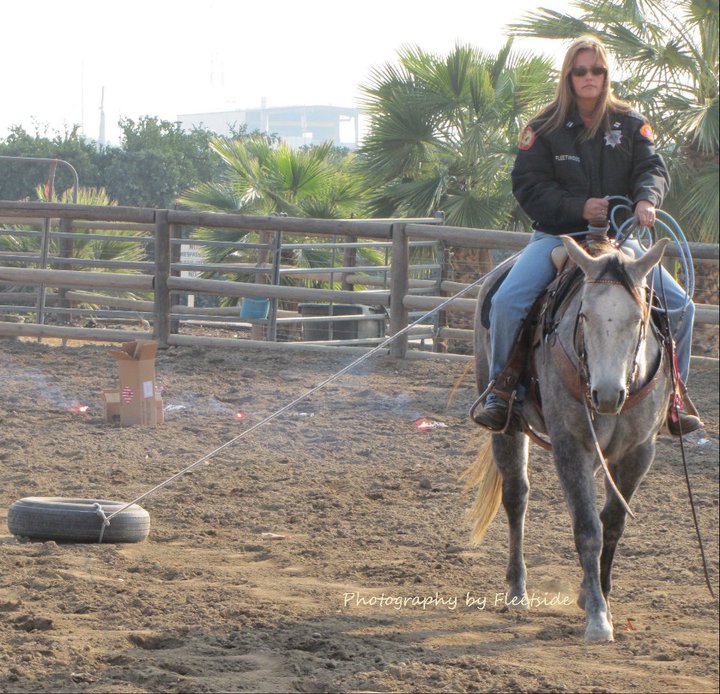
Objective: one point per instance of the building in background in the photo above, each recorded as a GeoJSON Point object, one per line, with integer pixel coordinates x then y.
{"type": "Point", "coordinates": [297, 125]}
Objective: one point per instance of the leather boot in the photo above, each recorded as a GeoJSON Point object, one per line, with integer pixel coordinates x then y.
{"type": "Point", "coordinates": [492, 415]}
{"type": "Point", "coordinates": [684, 418]}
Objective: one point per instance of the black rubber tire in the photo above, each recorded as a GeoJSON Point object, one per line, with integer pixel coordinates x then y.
{"type": "Point", "coordinates": [76, 520]}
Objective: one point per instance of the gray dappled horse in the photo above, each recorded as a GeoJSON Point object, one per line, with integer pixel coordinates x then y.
{"type": "Point", "coordinates": [627, 389]}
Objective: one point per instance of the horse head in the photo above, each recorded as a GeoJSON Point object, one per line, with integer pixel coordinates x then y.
{"type": "Point", "coordinates": [612, 320]}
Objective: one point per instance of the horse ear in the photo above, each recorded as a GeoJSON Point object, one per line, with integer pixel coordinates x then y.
{"type": "Point", "coordinates": [577, 254]}
{"type": "Point", "coordinates": [638, 269]}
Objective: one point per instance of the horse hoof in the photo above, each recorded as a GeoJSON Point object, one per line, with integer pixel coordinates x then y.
{"type": "Point", "coordinates": [517, 601]}
{"type": "Point", "coordinates": [599, 633]}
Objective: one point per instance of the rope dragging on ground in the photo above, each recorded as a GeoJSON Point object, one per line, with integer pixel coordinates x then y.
{"type": "Point", "coordinates": [297, 400]}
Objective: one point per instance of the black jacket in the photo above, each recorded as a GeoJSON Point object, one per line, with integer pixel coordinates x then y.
{"type": "Point", "coordinates": [555, 173]}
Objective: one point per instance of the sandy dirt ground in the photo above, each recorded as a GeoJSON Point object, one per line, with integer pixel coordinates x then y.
{"type": "Point", "coordinates": [328, 551]}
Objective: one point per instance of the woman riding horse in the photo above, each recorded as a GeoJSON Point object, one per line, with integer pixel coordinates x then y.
{"type": "Point", "coordinates": [582, 149]}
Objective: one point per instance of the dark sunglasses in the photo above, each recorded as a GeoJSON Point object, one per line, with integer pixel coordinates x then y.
{"type": "Point", "coordinates": [596, 70]}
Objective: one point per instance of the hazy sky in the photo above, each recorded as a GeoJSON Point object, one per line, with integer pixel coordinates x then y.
{"type": "Point", "coordinates": [167, 57]}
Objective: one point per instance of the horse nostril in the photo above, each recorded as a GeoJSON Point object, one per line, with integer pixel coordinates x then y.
{"type": "Point", "coordinates": [594, 396]}
{"type": "Point", "coordinates": [621, 397]}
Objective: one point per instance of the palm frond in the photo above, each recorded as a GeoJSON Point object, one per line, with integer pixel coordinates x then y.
{"type": "Point", "coordinates": [218, 254]}
{"type": "Point", "coordinates": [470, 210]}
{"type": "Point", "coordinates": [700, 207]}
{"type": "Point", "coordinates": [421, 198]}
{"type": "Point", "coordinates": [550, 24]}
{"type": "Point", "coordinates": [444, 128]}
{"type": "Point", "coordinates": [84, 243]}
{"type": "Point", "coordinates": [214, 197]}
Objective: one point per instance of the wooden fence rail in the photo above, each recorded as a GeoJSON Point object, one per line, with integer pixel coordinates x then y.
{"type": "Point", "coordinates": [397, 289]}
{"type": "Point", "coordinates": [75, 279]}
{"type": "Point", "coordinates": [515, 240]}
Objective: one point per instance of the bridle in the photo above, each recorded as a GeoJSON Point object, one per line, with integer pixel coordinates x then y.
{"type": "Point", "coordinates": [580, 345]}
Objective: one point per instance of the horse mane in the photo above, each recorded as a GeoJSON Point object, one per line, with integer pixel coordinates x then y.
{"type": "Point", "coordinates": [615, 271]}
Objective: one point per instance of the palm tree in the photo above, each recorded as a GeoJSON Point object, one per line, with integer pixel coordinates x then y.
{"type": "Point", "coordinates": [265, 176]}
{"type": "Point", "coordinates": [443, 136]}
{"type": "Point", "coordinates": [667, 51]}
{"type": "Point", "coordinates": [443, 133]}
{"type": "Point", "coordinates": [84, 245]}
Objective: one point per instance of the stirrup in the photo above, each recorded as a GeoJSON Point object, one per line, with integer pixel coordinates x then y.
{"type": "Point", "coordinates": [510, 399]}
{"type": "Point", "coordinates": [480, 400]}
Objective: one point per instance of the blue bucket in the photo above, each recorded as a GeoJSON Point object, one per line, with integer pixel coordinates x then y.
{"type": "Point", "coordinates": [254, 309]}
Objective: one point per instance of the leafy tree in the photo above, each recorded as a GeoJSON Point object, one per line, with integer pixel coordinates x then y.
{"type": "Point", "coordinates": [667, 51]}
{"type": "Point", "coordinates": [156, 161]}
{"type": "Point", "coordinates": [19, 180]}
{"type": "Point", "coordinates": [443, 133]}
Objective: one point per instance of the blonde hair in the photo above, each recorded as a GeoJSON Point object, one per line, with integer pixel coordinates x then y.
{"type": "Point", "coordinates": [560, 109]}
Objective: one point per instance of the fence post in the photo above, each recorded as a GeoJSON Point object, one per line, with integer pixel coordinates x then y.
{"type": "Point", "coordinates": [257, 331]}
{"type": "Point", "coordinates": [349, 260]}
{"type": "Point", "coordinates": [399, 288]}
{"type": "Point", "coordinates": [41, 290]}
{"type": "Point", "coordinates": [275, 280]}
{"type": "Point", "coordinates": [441, 317]}
{"type": "Point", "coordinates": [66, 251]}
{"type": "Point", "coordinates": [161, 322]}
{"type": "Point", "coordinates": [175, 233]}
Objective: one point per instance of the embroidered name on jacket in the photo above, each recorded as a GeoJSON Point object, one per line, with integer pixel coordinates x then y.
{"type": "Point", "coordinates": [567, 157]}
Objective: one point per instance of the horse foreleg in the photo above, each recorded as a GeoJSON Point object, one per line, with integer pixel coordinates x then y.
{"type": "Point", "coordinates": [628, 474]}
{"type": "Point", "coordinates": [511, 457]}
{"type": "Point", "coordinates": [574, 467]}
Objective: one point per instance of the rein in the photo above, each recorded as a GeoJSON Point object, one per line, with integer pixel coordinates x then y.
{"type": "Point", "coordinates": [584, 378]}
{"type": "Point", "coordinates": [583, 374]}
{"type": "Point", "coordinates": [581, 353]}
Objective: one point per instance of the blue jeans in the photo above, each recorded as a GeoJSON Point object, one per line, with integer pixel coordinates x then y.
{"type": "Point", "coordinates": [681, 322]}
{"type": "Point", "coordinates": [534, 270]}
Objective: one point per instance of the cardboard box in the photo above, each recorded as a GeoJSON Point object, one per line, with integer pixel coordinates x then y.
{"type": "Point", "coordinates": [136, 401]}
{"type": "Point", "coordinates": [111, 406]}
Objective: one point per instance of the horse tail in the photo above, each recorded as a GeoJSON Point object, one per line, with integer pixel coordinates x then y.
{"type": "Point", "coordinates": [484, 475]}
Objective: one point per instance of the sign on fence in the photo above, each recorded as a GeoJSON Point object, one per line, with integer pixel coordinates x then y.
{"type": "Point", "coordinates": [192, 256]}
